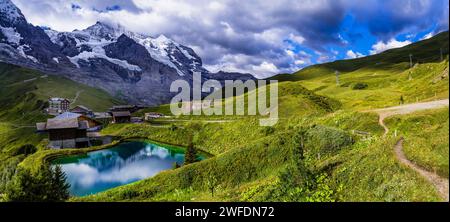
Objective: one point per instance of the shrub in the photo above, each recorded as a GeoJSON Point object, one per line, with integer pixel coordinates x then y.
{"type": "Point", "coordinates": [267, 131]}
{"type": "Point", "coordinates": [360, 86]}
{"type": "Point", "coordinates": [129, 194]}
{"type": "Point", "coordinates": [48, 184]}
{"type": "Point", "coordinates": [327, 140]}
{"type": "Point", "coordinates": [26, 150]}
{"type": "Point", "coordinates": [190, 155]}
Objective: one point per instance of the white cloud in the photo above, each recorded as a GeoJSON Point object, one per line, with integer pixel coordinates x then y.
{"type": "Point", "coordinates": [391, 44]}
{"type": "Point", "coordinates": [266, 67]}
{"type": "Point", "coordinates": [297, 38]}
{"type": "Point", "coordinates": [300, 62]}
{"type": "Point", "coordinates": [353, 55]}
{"type": "Point", "coordinates": [428, 36]}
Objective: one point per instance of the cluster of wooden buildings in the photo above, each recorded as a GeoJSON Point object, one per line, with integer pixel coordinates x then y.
{"type": "Point", "coordinates": [68, 130]}
{"type": "Point", "coordinates": [70, 127]}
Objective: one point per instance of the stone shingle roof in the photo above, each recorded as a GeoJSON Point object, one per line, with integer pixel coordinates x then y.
{"type": "Point", "coordinates": [68, 115]}
{"type": "Point", "coordinates": [121, 114]}
{"type": "Point", "coordinates": [41, 126]}
{"type": "Point", "coordinates": [81, 108]}
{"type": "Point", "coordinates": [62, 123]}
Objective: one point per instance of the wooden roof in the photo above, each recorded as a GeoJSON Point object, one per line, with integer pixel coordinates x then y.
{"type": "Point", "coordinates": [102, 115]}
{"type": "Point", "coordinates": [81, 108]}
{"type": "Point", "coordinates": [68, 115]}
{"type": "Point", "coordinates": [62, 124]}
{"type": "Point", "coordinates": [41, 126]}
{"type": "Point", "coordinates": [123, 106]}
{"type": "Point", "coordinates": [121, 114]}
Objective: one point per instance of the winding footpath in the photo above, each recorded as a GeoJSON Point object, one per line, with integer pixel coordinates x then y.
{"type": "Point", "coordinates": [440, 183]}
{"type": "Point", "coordinates": [77, 95]}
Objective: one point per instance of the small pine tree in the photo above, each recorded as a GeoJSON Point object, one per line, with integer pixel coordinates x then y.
{"type": "Point", "coordinates": [59, 184]}
{"type": "Point", "coordinates": [47, 185]}
{"type": "Point", "coordinates": [190, 155]}
{"type": "Point", "coordinates": [211, 182]}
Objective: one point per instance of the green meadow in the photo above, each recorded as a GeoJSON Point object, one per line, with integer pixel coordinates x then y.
{"type": "Point", "coordinates": [324, 148]}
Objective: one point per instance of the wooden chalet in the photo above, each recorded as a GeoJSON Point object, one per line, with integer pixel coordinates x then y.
{"type": "Point", "coordinates": [124, 108]}
{"type": "Point", "coordinates": [121, 117]}
{"type": "Point", "coordinates": [150, 116]}
{"type": "Point", "coordinates": [104, 118]}
{"type": "Point", "coordinates": [83, 110]}
{"type": "Point", "coordinates": [68, 130]}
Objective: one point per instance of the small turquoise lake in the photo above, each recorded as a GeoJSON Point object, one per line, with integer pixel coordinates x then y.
{"type": "Point", "coordinates": [122, 164]}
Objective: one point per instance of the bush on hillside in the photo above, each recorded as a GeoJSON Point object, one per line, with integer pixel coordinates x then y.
{"type": "Point", "coordinates": [267, 131]}
{"type": "Point", "coordinates": [323, 140]}
{"type": "Point", "coordinates": [26, 150]}
{"type": "Point", "coordinates": [360, 86]}
{"type": "Point", "coordinates": [48, 184]}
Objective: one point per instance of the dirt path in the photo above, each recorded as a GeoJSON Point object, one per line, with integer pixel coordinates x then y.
{"type": "Point", "coordinates": [203, 121]}
{"type": "Point", "coordinates": [440, 183]}
{"type": "Point", "coordinates": [76, 97]}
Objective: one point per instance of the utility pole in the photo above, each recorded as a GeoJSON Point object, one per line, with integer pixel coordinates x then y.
{"type": "Point", "coordinates": [337, 78]}
{"type": "Point", "coordinates": [410, 61]}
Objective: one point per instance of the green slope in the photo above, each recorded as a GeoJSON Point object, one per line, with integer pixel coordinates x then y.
{"type": "Point", "coordinates": [23, 97]}
{"type": "Point", "coordinates": [254, 163]}
{"type": "Point", "coordinates": [311, 101]}
{"type": "Point", "coordinates": [426, 51]}
{"type": "Point", "coordinates": [24, 93]}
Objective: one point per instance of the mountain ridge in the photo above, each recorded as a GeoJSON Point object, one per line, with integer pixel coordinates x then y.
{"type": "Point", "coordinates": [134, 67]}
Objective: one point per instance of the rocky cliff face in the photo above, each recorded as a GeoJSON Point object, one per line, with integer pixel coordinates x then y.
{"type": "Point", "coordinates": [132, 66]}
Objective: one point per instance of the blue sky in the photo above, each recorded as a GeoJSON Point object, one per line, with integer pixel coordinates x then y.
{"type": "Point", "coordinates": [258, 36]}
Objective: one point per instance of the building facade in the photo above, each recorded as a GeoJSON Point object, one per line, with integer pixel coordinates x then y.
{"type": "Point", "coordinates": [58, 106]}
{"type": "Point", "coordinates": [68, 130]}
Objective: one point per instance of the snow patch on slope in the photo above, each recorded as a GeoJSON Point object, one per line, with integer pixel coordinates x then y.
{"type": "Point", "coordinates": [99, 52]}
{"type": "Point", "coordinates": [161, 48]}
{"type": "Point", "coordinates": [158, 49]}
{"type": "Point", "coordinates": [22, 48]}
{"type": "Point", "coordinates": [53, 35]}
{"type": "Point", "coordinates": [12, 36]}
{"type": "Point", "coordinates": [10, 11]}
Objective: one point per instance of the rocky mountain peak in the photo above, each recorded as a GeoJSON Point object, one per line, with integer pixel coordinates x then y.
{"type": "Point", "coordinates": [105, 31]}
{"type": "Point", "coordinates": [137, 67]}
{"type": "Point", "coordinates": [9, 12]}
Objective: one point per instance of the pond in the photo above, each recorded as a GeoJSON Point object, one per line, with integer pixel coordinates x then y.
{"type": "Point", "coordinates": [123, 164]}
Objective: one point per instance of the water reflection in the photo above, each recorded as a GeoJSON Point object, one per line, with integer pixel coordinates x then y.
{"type": "Point", "coordinates": [123, 164]}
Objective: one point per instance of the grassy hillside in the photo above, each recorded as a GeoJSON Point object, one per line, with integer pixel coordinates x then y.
{"type": "Point", "coordinates": [426, 138]}
{"type": "Point", "coordinates": [24, 94]}
{"type": "Point", "coordinates": [339, 163]}
{"type": "Point", "coordinates": [384, 88]}
{"type": "Point", "coordinates": [23, 97]}
{"type": "Point", "coordinates": [24, 85]}
{"type": "Point", "coordinates": [322, 148]}
{"type": "Point", "coordinates": [427, 51]}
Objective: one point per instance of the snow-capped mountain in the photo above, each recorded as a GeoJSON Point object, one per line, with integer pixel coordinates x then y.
{"type": "Point", "coordinates": [90, 43]}
{"type": "Point", "coordinates": [21, 40]}
{"type": "Point", "coordinates": [133, 66]}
